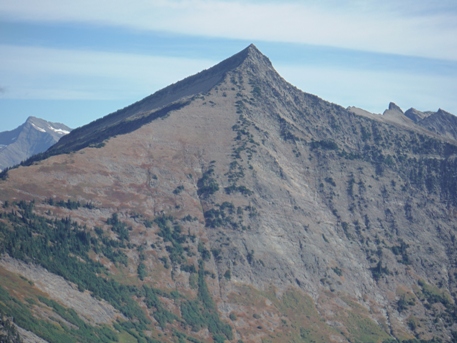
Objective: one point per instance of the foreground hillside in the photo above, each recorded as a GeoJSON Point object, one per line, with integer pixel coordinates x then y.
{"type": "Point", "coordinates": [231, 206]}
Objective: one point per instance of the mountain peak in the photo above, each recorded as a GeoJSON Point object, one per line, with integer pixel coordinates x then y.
{"type": "Point", "coordinates": [250, 56]}
{"type": "Point", "coordinates": [252, 52]}
{"type": "Point", "coordinates": [252, 47]}
{"type": "Point", "coordinates": [228, 200]}
{"type": "Point", "coordinates": [253, 55]}
{"type": "Point", "coordinates": [31, 119]}
{"type": "Point", "coordinates": [34, 136]}
{"type": "Point", "coordinates": [168, 98]}
{"type": "Point", "coordinates": [443, 112]}
{"type": "Point", "coordinates": [394, 107]}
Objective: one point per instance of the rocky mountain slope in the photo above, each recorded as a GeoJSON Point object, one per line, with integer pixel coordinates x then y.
{"type": "Point", "coordinates": [440, 123]}
{"type": "Point", "coordinates": [33, 137]}
{"type": "Point", "coordinates": [231, 206]}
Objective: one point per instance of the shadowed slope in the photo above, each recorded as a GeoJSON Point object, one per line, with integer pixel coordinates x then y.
{"type": "Point", "coordinates": [154, 106]}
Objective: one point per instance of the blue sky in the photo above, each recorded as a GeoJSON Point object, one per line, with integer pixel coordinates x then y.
{"type": "Point", "coordinates": [76, 61]}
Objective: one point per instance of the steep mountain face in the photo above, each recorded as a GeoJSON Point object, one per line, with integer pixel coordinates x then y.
{"type": "Point", "coordinates": [233, 206]}
{"type": "Point", "coordinates": [33, 137]}
{"type": "Point", "coordinates": [440, 122]}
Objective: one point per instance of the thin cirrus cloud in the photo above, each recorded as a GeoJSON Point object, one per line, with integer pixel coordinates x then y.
{"type": "Point", "coordinates": [48, 73]}
{"type": "Point", "coordinates": [386, 27]}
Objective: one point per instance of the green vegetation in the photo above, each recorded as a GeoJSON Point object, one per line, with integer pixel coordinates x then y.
{"type": "Point", "coordinates": [345, 227]}
{"type": "Point", "coordinates": [141, 270]}
{"type": "Point", "coordinates": [133, 332]}
{"type": "Point", "coordinates": [337, 271]}
{"type": "Point", "coordinates": [222, 215]}
{"type": "Point", "coordinates": [69, 204]}
{"type": "Point", "coordinates": [189, 218]}
{"type": "Point", "coordinates": [62, 247]}
{"type": "Point", "coordinates": [423, 161]}
{"type": "Point", "coordinates": [8, 331]}
{"type": "Point", "coordinates": [414, 340]}
{"type": "Point", "coordinates": [244, 143]}
{"type": "Point", "coordinates": [202, 311]}
{"type": "Point", "coordinates": [363, 329]}
{"type": "Point", "coordinates": [53, 333]}
{"type": "Point", "coordinates": [433, 295]}
{"type": "Point", "coordinates": [4, 174]}
{"type": "Point", "coordinates": [228, 274]}
{"type": "Point", "coordinates": [178, 190]}
{"type": "Point", "coordinates": [401, 251]}
{"type": "Point", "coordinates": [172, 234]}
{"type": "Point", "coordinates": [236, 172]}
{"type": "Point", "coordinates": [204, 253]}
{"type": "Point", "coordinates": [286, 131]}
{"type": "Point", "coordinates": [324, 145]}
{"type": "Point", "coordinates": [120, 228]}
{"type": "Point", "coordinates": [330, 181]}
{"type": "Point", "coordinates": [241, 189]}
{"type": "Point", "coordinates": [207, 184]}
{"type": "Point", "coordinates": [162, 315]}
{"type": "Point", "coordinates": [378, 271]}
{"type": "Point", "coordinates": [405, 302]}
{"type": "Point", "coordinates": [256, 91]}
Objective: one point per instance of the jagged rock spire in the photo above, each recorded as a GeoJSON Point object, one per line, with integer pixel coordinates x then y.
{"type": "Point", "coordinates": [394, 107]}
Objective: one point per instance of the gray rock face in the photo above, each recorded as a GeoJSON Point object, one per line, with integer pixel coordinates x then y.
{"type": "Point", "coordinates": [440, 122]}
{"type": "Point", "coordinates": [394, 107]}
{"type": "Point", "coordinates": [34, 136]}
{"type": "Point", "coordinates": [415, 115]}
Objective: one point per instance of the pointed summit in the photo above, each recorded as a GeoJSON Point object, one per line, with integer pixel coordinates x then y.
{"type": "Point", "coordinates": [34, 136]}
{"type": "Point", "coordinates": [393, 110]}
{"type": "Point", "coordinates": [394, 107]}
{"type": "Point", "coordinates": [163, 101]}
{"type": "Point", "coordinates": [253, 49]}
{"type": "Point", "coordinates": [253, 54]}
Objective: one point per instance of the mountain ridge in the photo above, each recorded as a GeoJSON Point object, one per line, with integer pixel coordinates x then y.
{"type": "Point", "coordinates": [437, 124]}
{"type": "Point", "coordinates": [253, 206]}
{"type": "Point", "coordinates": [162, 101]}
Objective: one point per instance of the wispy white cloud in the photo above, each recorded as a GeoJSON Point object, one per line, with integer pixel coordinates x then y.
{"type": "Point", "coordinates": [45, 73]}
{"type": "Point", "coordinates": [419, 28]}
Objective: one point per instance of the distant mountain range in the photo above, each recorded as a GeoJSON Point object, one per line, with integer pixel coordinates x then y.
{"type": "Point", "coordinates": [440, 123]}
{"type": "Point", "coordinates": [34, 136]}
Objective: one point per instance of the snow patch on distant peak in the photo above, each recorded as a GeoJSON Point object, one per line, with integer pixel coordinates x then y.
{"type": "Point", "coordinates": [59, 131]}
{"type": "Point", "coordinates": [38, 128]}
